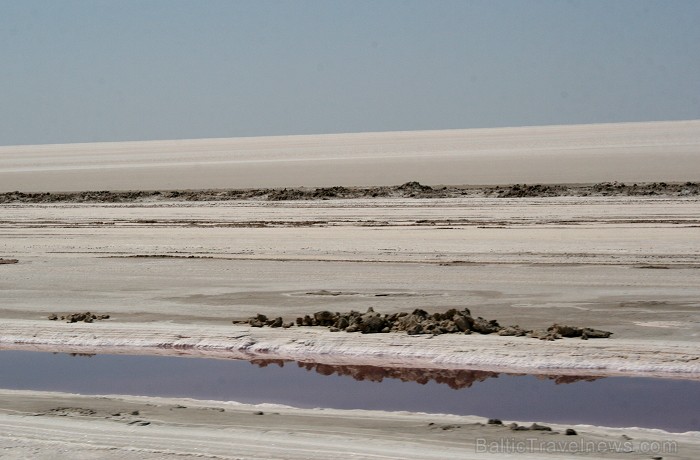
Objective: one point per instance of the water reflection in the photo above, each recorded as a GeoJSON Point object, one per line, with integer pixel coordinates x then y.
{"type": "Point", "coordinates": [454, 378]}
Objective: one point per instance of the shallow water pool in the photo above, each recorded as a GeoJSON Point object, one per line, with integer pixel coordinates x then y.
{"type": "Point", "coordinates": [672, 405]}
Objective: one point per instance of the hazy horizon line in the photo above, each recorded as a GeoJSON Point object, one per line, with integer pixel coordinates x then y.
{"type": "Point", "coordinates": [345, 133]}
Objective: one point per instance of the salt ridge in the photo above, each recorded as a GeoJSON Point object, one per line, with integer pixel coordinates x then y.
{"type": "Point", "coordinates": [505, 354]}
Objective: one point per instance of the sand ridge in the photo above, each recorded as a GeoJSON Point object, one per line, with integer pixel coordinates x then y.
{"type": "Point", "coordinates": [627, 152]}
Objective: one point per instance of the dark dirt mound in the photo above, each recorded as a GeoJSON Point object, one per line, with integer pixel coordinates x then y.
{"type": "Point", "coordinates": [419, 321]}
{"type": "Point", "coordinates": [86, 317]}
{"type": "Point", "coordinates": [411, 189]}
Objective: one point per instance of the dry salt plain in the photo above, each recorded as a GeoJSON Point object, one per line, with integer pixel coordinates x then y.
{"type": "Point", "coordinates": [173, 273]}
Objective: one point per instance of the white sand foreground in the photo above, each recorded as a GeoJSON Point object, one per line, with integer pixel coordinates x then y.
{"type": "Point", "coordinates": [624, 264]}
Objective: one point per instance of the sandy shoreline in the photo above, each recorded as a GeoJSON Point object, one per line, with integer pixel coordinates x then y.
{"type": "Point", "coordinates": [57, 425]}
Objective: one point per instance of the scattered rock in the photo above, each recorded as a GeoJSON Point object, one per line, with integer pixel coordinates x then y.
{"type": "Point", "coordinates": [583, 332]}
{"type": "Point", "coordinates": [277, 322]}
{"type": "Point", "coordinates": [512, 331]}
{"type": "Point", "coordinates": [483, 326]}
{"type": "Point", "coordinates": [570, 432]}
{"type": "Point", "coordinates": [259, 413]}
{"type": "Point", "coordinates": [515, 427]}
{"type": "Point", "coordinates": [8, 261]}
{"type": "Point", "coordinates": [86, 317]}
{"type": "Point", "coordinates": [534, 427]}
{"type": "Point", "coordinates": [71, 411]}
{"type": "Point", "coordinates": [139, 423]}
{"type": "Point", "coordinates": [419, 321]}
{"type": "Point", "coordinates": [544, 335]}
{"type": "Point", "coordinates": [450, 427]}
{"type": "Point", "coordinates": [324, 318]}
{"type": "Point", "coordinates": [494, 421]}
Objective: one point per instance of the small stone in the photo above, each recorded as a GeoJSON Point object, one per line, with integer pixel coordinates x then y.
{"type": "Point", "coordinates": [450, 427]}
{"type": "Point", "coordinates": [277, 322]}
{"type": "Point", "coordinates": [494, 421]}
{"type": "Point", "coordinates": [259, 413]}
{"type": "Point", "coordinates": [570, 432]}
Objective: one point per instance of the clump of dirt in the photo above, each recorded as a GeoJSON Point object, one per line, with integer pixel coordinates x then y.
{"type": "Point", "coordinates": [86, 317]}
{"type": "Point", "coordinates": [419, 321]}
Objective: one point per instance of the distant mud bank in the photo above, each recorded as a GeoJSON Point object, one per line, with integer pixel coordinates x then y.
{"type": "Point", "coordinates": [407, 190]}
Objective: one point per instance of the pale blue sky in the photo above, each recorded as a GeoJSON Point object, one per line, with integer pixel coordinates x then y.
{"type": "Point", "coordinates": [82, 71]}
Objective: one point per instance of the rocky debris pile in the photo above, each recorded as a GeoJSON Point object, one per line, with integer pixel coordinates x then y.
{"type": "Point", "coordinates": [599, 189]}
{"type": "Point", "coordinates": [101, 196]}
{"type": "Point", "coordinates": [416, 189]}
{"type": "Point", "coordinates": [534, 427]}
{"type": "Point", "coordinates": [8, 261]}
{"type": "Point", "coordinates": [262, 320]}
{"type": "Point", "coordinates": [419, 321]}
{"type": "Point", "coordinates": [321, 193]}
{"type": "Point", "coordinates": [558, 331]}
{"type": "Point", "coordinates": [411, 189]}
{"type": "Point", "coordinates": [494, 422]}
{"type": "Point", "coordinates": [86, 317]}
{"type": "Point", "coordinates": [537, 190]}
{"type": "Point", "coordinates": [646, 189]}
